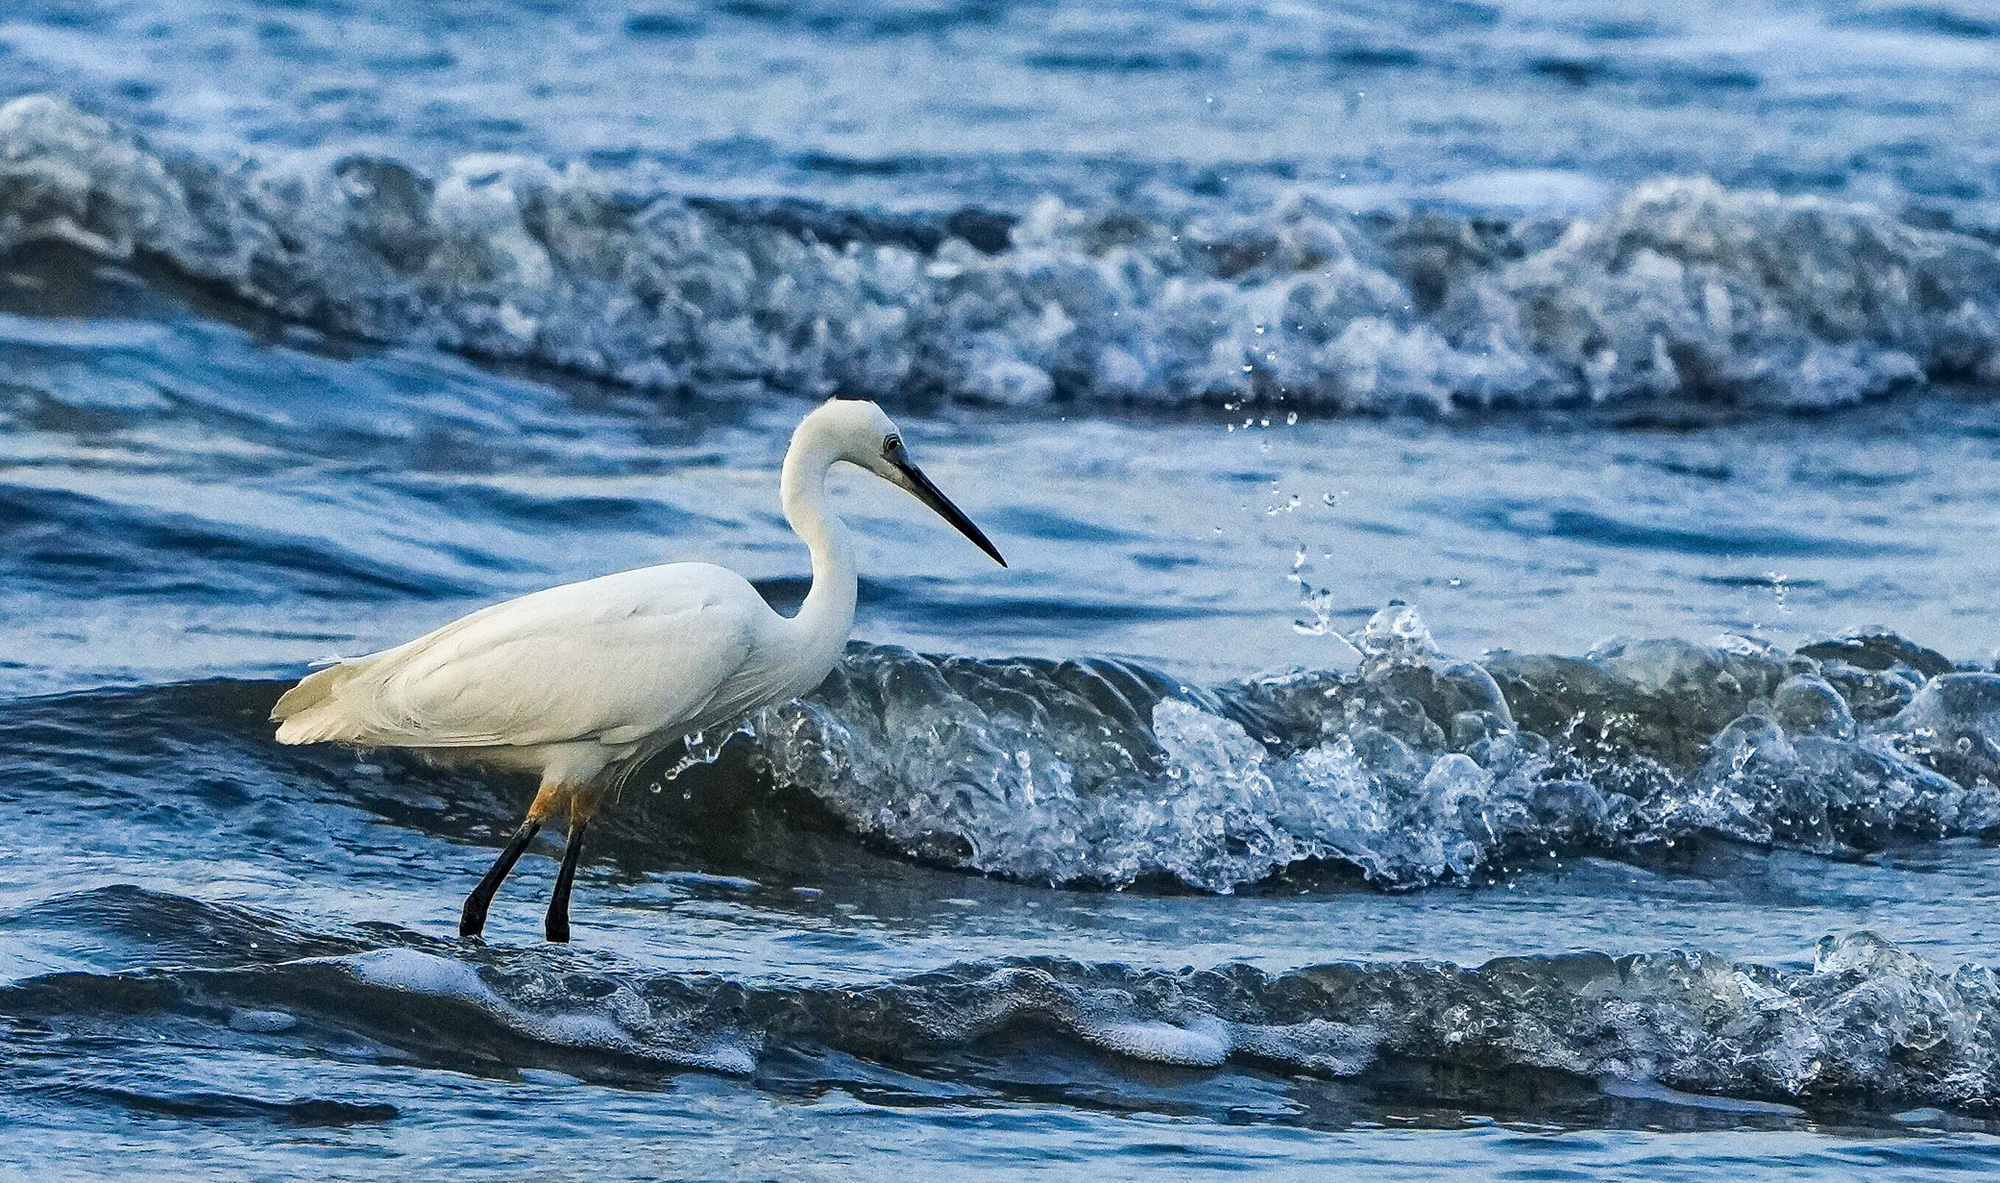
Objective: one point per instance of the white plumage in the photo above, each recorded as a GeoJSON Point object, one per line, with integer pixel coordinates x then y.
{"type": "Point", "coordinates": [597, 667]}
{"type": "Point", "coordinates": [581, 682]}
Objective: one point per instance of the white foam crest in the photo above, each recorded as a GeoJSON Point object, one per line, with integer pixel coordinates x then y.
{"type": "Point", "coordinates": [1043, 797]}
{"type": "Point", "coordinates": [1413, 770]}
{"type": "Point", "coordinates": [418, 972]}
{"type": "Point", "coordinates": [1204, 1042]}
{"type": "Point", "coordinates": [617, 1021]}
{"type": "Point", "coordinates": [1866, 1022]}
{"type": "Point", "coordinates": [1682, 289]}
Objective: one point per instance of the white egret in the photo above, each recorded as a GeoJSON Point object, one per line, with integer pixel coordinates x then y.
{"type": "Point", "coordinates": [580, 683]}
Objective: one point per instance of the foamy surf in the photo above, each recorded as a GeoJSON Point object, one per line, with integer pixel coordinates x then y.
{"type": "Point", "coordinates": [1680, 291]}
{"type": "Point", "coordinates": [1413, 769]}
{"type": "Point", "coordinates": [1864, 1023]}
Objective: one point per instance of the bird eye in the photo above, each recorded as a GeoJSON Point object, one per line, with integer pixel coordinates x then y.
{"type": "Point", "coordinates": [892, 445]}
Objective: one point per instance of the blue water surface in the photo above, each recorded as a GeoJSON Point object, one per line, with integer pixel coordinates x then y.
{"type": "Point", "coordinates": [1664, 339]}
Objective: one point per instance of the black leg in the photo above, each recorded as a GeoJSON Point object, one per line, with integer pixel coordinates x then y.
{"type": "Point", "coordinates": [473, 919]}
{"type": "Point", "coordinates": [556, 927]}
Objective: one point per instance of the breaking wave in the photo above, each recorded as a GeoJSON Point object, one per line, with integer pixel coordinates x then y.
{"type": "Point", "coordinates": [1865, 1023]}
{"type": "Point", "coordinates": [1411, 769]}
{"type": "Point", "coordinates": [1680, 291]}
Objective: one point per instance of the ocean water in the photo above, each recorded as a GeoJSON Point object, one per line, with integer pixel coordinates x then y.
{"type": "Point", "coordinates": [1497, 675]}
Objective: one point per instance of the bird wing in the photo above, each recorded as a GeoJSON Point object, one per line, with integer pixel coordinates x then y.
{"type": "Point", "coordinates": [613, 659]}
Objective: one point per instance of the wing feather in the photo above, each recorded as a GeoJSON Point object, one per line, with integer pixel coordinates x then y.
{"type": "Point", "coordinates": [614, 660]}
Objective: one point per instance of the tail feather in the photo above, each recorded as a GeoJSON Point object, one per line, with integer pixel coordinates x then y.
{"type": "Point", "coordinates": [313, 711]}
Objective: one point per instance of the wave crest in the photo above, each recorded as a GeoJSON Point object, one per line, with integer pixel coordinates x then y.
{"type": "Point", "coordinates": [1865, 1021]}
{"type": "Point", "coordinates": [1682, 290]}
{"type": "Point", "coordinates": [1412, 770]}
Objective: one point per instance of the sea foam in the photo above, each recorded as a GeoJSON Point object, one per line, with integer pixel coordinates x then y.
{"type": "Point", "coordinates": [1680, 290]}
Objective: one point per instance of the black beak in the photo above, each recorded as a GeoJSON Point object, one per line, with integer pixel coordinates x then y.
{"type": "Point", "coordinates": [921, 488]}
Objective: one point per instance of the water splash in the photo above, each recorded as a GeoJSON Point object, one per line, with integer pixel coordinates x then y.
{"type": "Point", "coordinates": [1413, 769]}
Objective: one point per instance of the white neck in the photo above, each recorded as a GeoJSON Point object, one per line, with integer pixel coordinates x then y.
{"type": "Point", "coordinates": [827, 616]}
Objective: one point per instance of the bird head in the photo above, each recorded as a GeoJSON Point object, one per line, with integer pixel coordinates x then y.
{"type": "Point", "coordinates": [860, 433]}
